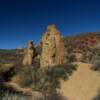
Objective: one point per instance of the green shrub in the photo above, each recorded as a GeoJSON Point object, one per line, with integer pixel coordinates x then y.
{"type": "Point", "coordinates": [8, 95]}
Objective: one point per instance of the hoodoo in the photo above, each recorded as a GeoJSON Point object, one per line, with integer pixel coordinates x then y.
{"type": "Point", "coordinates": [29, 54]}
{"type": "Point", "coordinates": [53, 50]}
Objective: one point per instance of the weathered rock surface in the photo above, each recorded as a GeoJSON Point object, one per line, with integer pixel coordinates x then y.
{"type": "Point", "coordinates": [53, 50]}
{"type": "Point", "coordinates": [29, 54]}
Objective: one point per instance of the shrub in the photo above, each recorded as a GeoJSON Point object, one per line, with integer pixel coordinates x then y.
{"type": "Point", "coordinates": [8, 95]}
{"type": "Point", "coordinates": [53, 96]}
{"type": "Point", "coordinates": [46, 81]}
{"type": "Point", "coordinates": [96, 66]}
{"type": "Point", "coordinates": [97, 97]}
{"type": "Point", "coordinates": [49, 80]}
{"type": "Point", "coordinates": [71, 58]}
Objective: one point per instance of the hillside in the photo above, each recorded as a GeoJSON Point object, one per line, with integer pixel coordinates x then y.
{"type": "Point", "coordinates": [83, 41]}
{"type": "Point", "coordinates": [73, 77]}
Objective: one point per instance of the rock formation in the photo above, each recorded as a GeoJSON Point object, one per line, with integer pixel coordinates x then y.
{"type": "Point", "coordinates": [29, 54]}
{"type": "Point", "coordinates": [53, 50]}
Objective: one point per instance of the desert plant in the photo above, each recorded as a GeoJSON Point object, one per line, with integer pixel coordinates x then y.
{"type": "Point", "coordinates": [71, 57]}
{"type": "Point", "coordinates": [8, 95]}
{"type": "Point", "coordinates": [44, 82]}
{"type": "Point", "coordinates": [97, 97]}
{"type": "Point", "coordinates": [53, 96]}
{"type": "Point", "coordinates": [50, 79]}
{"type": "Point", "coordinates": [96, 66]}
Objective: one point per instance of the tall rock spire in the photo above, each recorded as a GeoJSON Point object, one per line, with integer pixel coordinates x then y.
{"type": "Point", "coordinates": [53, 50]}
{"type": "Point", "coordinates": [29, 54]}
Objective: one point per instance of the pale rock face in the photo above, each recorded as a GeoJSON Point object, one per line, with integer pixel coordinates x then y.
{"type": "Point", "coordinates": [53, 50]}
{"type": "Point", "coordinates": [29, 54]}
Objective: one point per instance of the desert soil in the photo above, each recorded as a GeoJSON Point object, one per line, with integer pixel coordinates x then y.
{"type": "Point", "coordinates": [83, 84]}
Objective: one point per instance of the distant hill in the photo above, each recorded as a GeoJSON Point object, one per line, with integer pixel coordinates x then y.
{"type": "Point", "coordinates": [7, 56]}
{"type": "Point", "coordinates": [82, 41]}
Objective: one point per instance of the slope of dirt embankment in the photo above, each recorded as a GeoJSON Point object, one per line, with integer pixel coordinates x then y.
{"type": "Point", "coordinates": [83, 84]}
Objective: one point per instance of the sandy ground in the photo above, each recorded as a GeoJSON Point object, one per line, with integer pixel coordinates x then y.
{"type": "Point", "coordinates": [83, 84]}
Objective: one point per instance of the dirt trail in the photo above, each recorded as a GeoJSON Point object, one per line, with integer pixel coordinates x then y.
{"type": "Point", "coordinates": [83, 84]}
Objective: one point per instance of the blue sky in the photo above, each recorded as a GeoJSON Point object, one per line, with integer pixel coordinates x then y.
{"type": "Point", "coordinates": [22, 20]}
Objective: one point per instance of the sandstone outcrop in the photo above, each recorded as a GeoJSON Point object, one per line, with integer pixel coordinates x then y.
{"type": "Point", "coordinates": [53, 50]}
{"type": "Point", "coordinates": [29, 54]}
